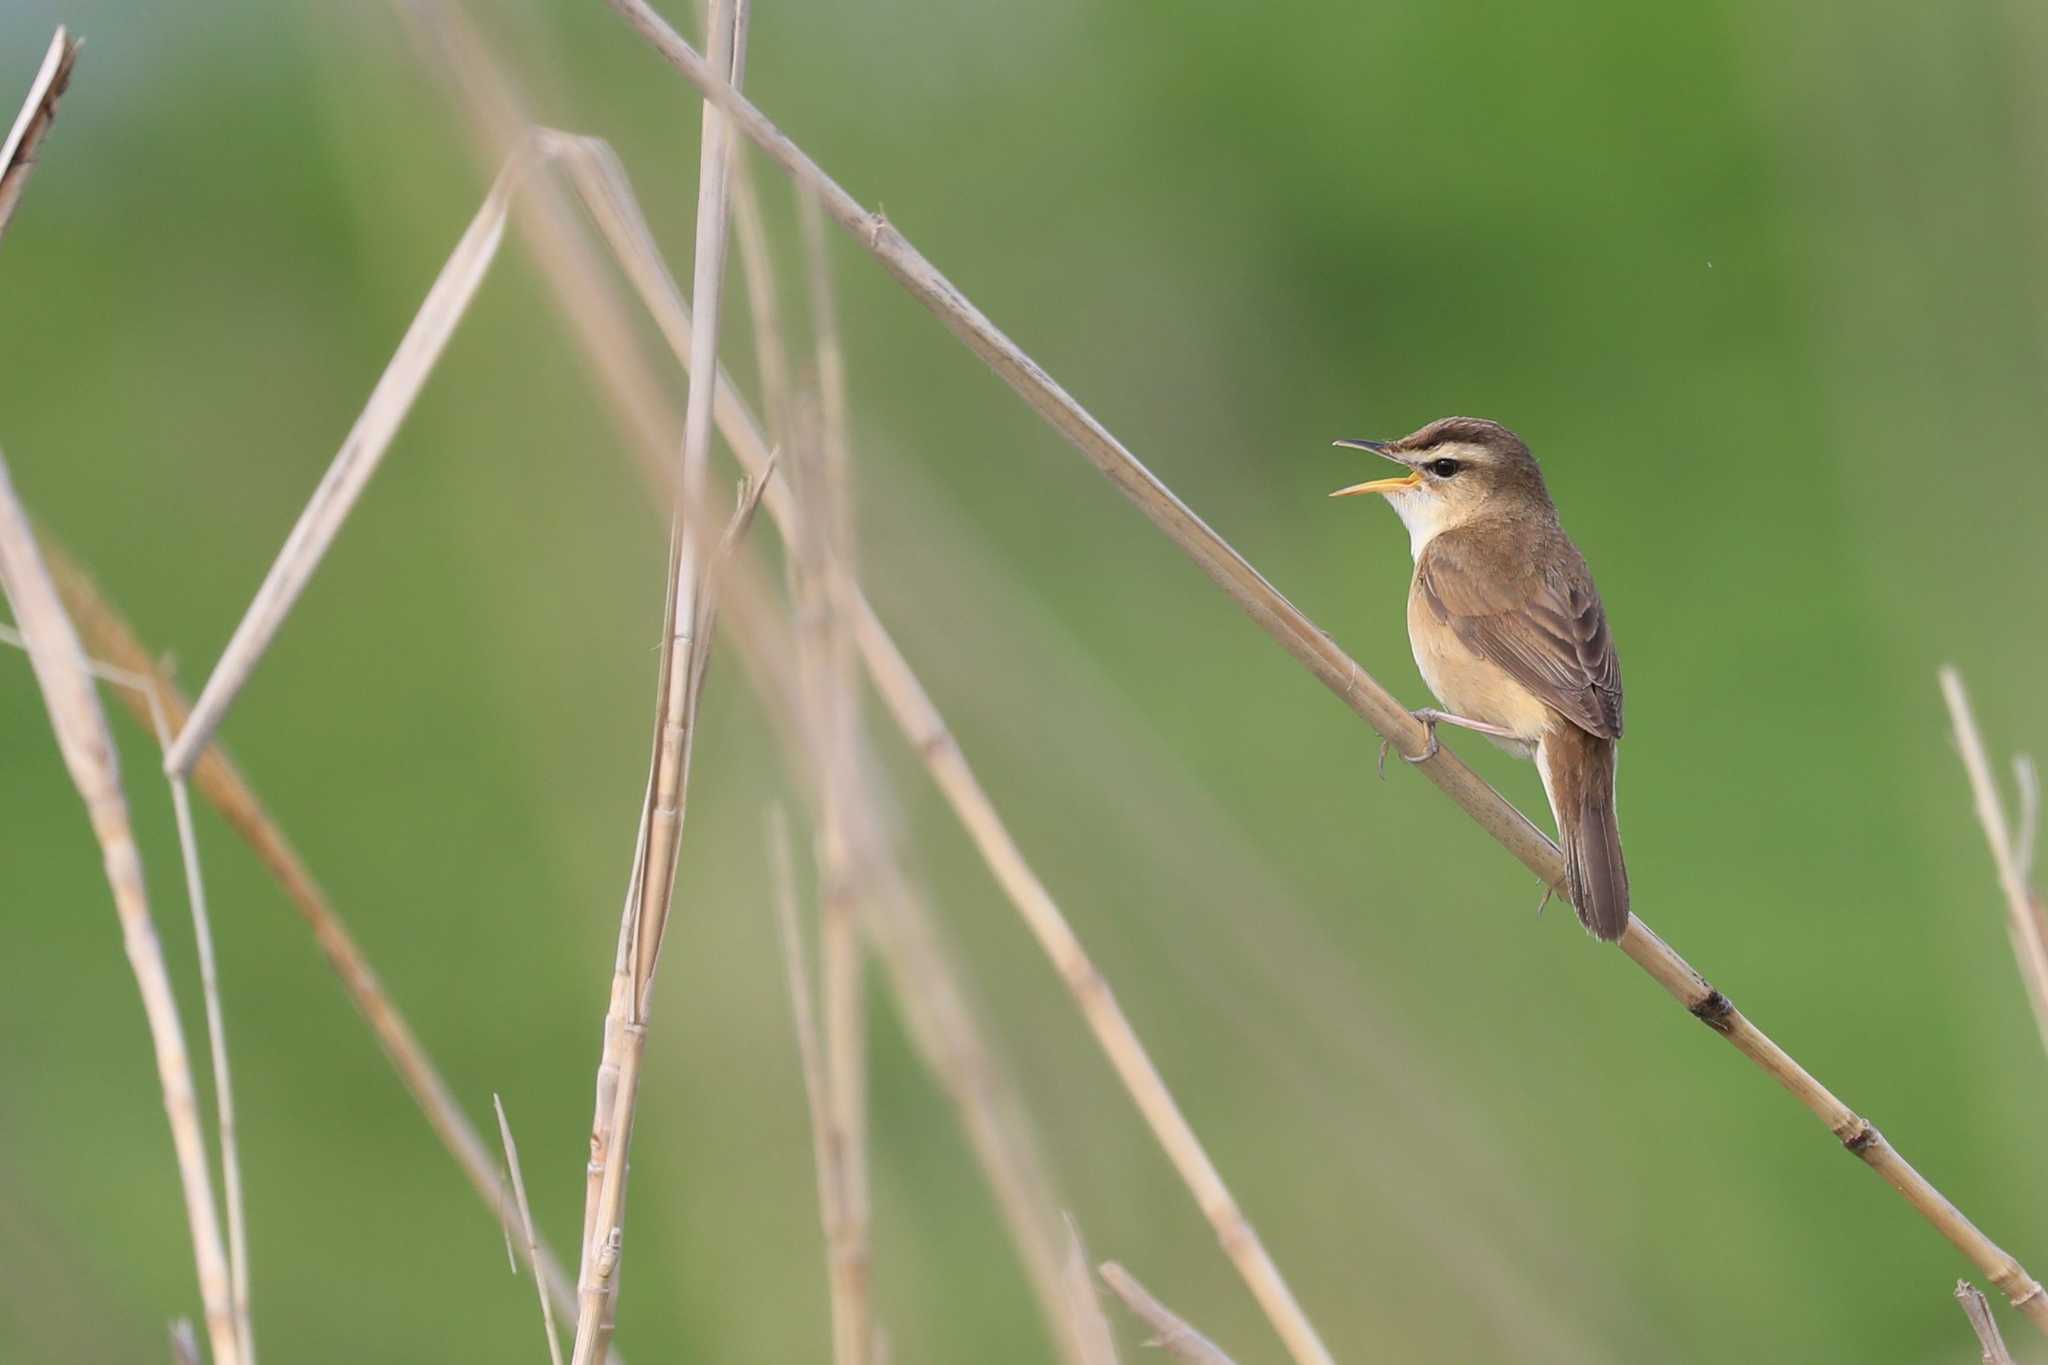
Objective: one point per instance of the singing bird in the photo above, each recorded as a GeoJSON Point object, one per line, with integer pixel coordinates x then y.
{"type": "Point", "coordinates": [1510, 635]}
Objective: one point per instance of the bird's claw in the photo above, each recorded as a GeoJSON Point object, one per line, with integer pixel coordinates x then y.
{"type": "Point", "coordinates": [1428, 718]}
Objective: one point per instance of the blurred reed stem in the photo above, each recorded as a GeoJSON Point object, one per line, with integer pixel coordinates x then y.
{"type": "Point", "coordinates": [685, 653]}
{"type": "Point", "coordinates": [828, 1156]}
{"type": "Point", "coordinates": [223, 786]}
{"type": "Point", "coordinates": [547, 1309]}
{"type": "Point", "coordinates": [1084, 1304]}
{"type": "Point", "coordinates": [2011, 843]}
{"type": "Point", "coordinates": [821, 566]}
{"type": "Point", "coordinates": [1990, 1343]}
{"type": "Point", "coordinates": [1169, 1332]}
{"type": "Point", "coordinates": [63, 673]}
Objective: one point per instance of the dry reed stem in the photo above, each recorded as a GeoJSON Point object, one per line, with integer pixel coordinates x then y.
{"type": "Point", "coordinates": [924, 975]}
{"type": "Point", "coordinates": [1084, 1305]}
{"type": "Point", "coordinates": [61, 670]}
{"type": "Point", "coordinates": [618, 1081]}
{"type": "Point", "coordinates": [944, 1030]}
{"type": "Point", "coordinates": [38, 112]}
{"type": "Point", "coordinates": [547, 1308]}
{"type": "Point", "coordinates": [2011, 846]}
{"type": "Point", "coordinates": [930, 738]}
{"type": "Point", "coordinates": [361, 452]}
{"type": "Point", "coordinates": [828, 680]}
{"type": "Point", "coordinates": [684, 653]}
{"type": "Point", "coordinates": [828, 1157]}
{"type": "Point", "coordinates": [1316, 651]}
{"type": "Point", "coordinates": [822, 558]}
{"type": "Point", "coordinates": [764, 300]}
{"type": "Point", "coordinates": [1169, 1332]}
{"type": "Point", "coordinates": [2027, 778]}
{"type": "Point", "coordinates": [225, 788]}
{"type": "Point", "coordinates": [686, 548]}
{"type": "Point", "coordinates": [217, 1046]}
{"type": "Point", "coordinates": [155, 716]}
{"type": "Point", "coordinates": [1990, 1343]}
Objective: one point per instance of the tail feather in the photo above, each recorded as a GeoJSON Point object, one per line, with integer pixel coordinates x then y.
{"type": "Point", "coordinates": [1578, 776]}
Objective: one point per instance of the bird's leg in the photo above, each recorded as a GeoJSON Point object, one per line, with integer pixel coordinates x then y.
{"type": "Point", "coordinates": [1431, 718]}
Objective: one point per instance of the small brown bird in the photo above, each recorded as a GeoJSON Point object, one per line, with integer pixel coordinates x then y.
{"type": "Point", "coordinates": [1509, 633]}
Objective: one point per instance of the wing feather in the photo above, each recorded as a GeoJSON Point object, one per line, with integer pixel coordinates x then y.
{"type": "Point", "coordinates": [1539, 617]}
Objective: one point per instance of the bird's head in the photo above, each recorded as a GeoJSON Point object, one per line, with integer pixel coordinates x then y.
{"type": "Point", "coordinates": [1459, 470]}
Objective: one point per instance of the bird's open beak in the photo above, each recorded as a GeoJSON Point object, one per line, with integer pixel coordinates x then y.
{"type": "Point", "coordinates": [1400, 485]}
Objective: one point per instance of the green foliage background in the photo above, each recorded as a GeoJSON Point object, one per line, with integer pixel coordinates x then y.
{"type": "Point", "coordinates": [1762, 285]}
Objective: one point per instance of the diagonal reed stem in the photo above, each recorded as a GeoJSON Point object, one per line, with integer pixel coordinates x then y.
{"type": "Point", "coordinates": [685, 654]}
{"type": "Point", "coordinates": [361, 452]}
{"type": "Point", "coordinates": [1991, 1348]}
{"type": "Point", "coordinates": [547, 1308]}
{"type": "Point", "coordinates": [827, 1152]}
{"type": "Point", "coordinates": [224, 787]}
{"type": "Point", "coordinates": [155, 715]}
{"type": "Point", "coordinates": [1336, 670]}
{"type": "Point", "coordinates": [821, 560]}
{"type": "Point", "coordinates": [1170, 1332]}
{"type": "Point", "coordinates": [87, 745]}
{"type": "Point", "coordinates": [2010, 845]}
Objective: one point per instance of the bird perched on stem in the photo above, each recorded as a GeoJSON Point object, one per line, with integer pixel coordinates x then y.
{"type": "Point", "coordinates": [1509, 633]}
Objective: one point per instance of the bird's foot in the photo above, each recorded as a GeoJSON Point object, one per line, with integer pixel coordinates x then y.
{"type": "Point", "coordinates": [1431, 717]}
{"type": "Point", "coordinates": [1548, 892]}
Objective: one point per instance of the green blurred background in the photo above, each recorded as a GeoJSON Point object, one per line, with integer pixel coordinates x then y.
{"type": "Point", "coordinates": [1762, 285]}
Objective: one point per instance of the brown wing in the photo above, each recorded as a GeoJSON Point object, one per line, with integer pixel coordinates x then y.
{"type": "Point", "coordinates": [1527, 602]}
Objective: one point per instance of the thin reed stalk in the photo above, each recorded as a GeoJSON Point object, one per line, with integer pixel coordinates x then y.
{"type": "Point", "coordinates": [61, 670]}
{"type": "Point", "coordinates": [361, 452]}
{"type": "Point", "coordinates": [1084, 1304]}
{"type": "Point", "coordinates": [1316, 651]}
{"type": "Point", "coordinates": [217, 1048]}
{"type": "Point", "coordinates": [153, 713]}
{"type": "Point", "coordinates": [821, 557]}
{"type": "Point", "coordinates": [828, 1156]}
{"type": "Point", "coordinates": [547, 1308]}
{"type": "Point", "coordinates": [933, 741]}
{"type": "Point", "coordinates": [948, 1036]}
{"type": "Point", "coordinates": [1170, 1332]}
{"type": "Point", "coordinates": [38, 112]}
{"type": "Point", "coordinates": [619, 1067]}
{"type": "Point", "coordinates": [1990, 1342]}
{"type": "Point", "coordinates": [2011, 843]}
{"type": "Point", "coordinates": [224, 787]}
{"type": "Point", "coordinates": [684, 656]}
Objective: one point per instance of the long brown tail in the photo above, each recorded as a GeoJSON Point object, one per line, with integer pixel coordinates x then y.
{"type": "Point", "coordinates": [1578, 775]}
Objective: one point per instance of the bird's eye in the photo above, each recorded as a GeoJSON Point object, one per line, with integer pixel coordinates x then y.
{"type": "Point", "coordinates": [1443, 469]}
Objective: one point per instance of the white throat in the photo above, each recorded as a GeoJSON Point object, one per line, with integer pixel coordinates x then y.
{"type": "Point", "coordinates": [1422, 512]}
